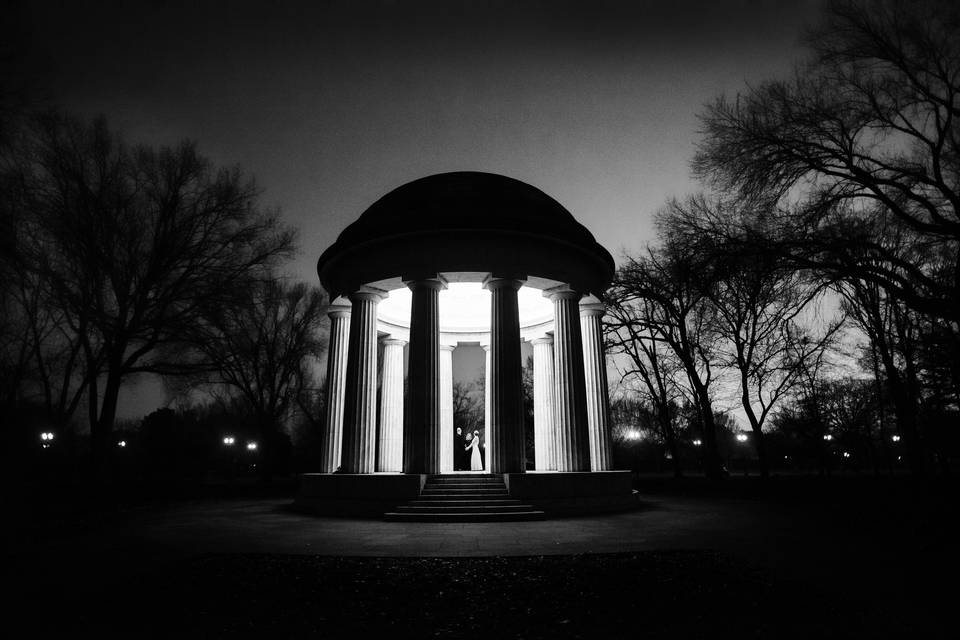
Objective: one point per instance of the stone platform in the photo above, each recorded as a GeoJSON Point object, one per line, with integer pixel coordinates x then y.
{"type": "Point", "coordinates": [573, 492]}
{"type": "Point", "coordinates": [356, 494]}
{"type": "Point", "coordinates": [553, 493]}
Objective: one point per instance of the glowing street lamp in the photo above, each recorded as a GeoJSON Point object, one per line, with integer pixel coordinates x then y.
{"type": "Point", "coordinates": [741, 437]}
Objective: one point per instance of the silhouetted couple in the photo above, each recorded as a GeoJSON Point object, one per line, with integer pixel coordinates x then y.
{"type": "Point", "coordinates": [467, 455]}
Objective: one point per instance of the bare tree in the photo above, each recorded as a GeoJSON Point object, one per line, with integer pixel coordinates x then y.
{"type": "Point", "coordinates": [263, 345]}
{"type": "Point", "coordinates": [467, 406]}
{"type": "Point", "coordinates": [133, 243]}
{"type": "Point", "coordinates": [864, 136]}
{"type": "Point", "coordinates": [629, 331]}
{"type": "Point", "coordinates": [764, 314]}
{"type": "Point", "coordinates": [679, 316]}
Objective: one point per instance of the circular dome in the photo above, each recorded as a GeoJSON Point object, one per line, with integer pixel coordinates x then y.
{"type": "Point", "coordinates": [465, 222]}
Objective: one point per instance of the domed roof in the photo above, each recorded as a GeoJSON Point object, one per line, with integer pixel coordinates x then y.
{"type": "Point", "coordinates": [465, 200]}
{"type": "Point", "coordinates": [465, 222]}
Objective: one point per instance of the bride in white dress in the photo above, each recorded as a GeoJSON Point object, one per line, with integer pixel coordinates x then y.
{"type": "Point", "coordinates": [475, 463]}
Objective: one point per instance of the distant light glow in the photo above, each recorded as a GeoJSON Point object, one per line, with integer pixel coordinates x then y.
{"type": "Point", "coordinates": [741, 437]}
{"type": "Point", "coordinates": [46, 435]}
{"type": "Point", "coordinates": [122, 443]}
{"type": "Point", "coordinates": [633, 434]}
{"type": "Point", "coordinates": [229, 440]}
{"type": "Point", "coordinates": [697, 442]}
{"type": "Point", "coordinates": [895, 438]}
{"type": "Point", "coordinates": [828, 437]}
{"type": "Point", "coordinates": [846, 454]}
{"type": "Point", "coordinates": [251, 446]}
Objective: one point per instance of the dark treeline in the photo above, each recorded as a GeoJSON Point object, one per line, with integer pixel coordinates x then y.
{"type": "Point", "coordinates": [828, 231]}
{"type": "Point", "coordinates": [120, 260]}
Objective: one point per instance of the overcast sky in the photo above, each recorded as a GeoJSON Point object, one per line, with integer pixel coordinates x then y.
{"type": "Point", "coordinates": [332, 104]}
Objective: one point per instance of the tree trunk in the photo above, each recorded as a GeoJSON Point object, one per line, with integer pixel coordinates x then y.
{"type": "Point", "coordinates": [712, 464]}
{"type": "Point", "coordinates": [103, 441]}
{"type": "Point", "coordinates": [758, 439]}
{"type": "Point", "coordinates": [663, 415]}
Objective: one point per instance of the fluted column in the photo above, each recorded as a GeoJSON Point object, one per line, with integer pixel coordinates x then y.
{"type": "Point", "coordinates": [336, 386]}
{"type": "Point", "coordinates": [544, 438]}
{"type": "Point", "coordinates": [487, 430]}
{"type": "Point", "coordinates": [390, 440]}
{"type": "Point", "coordinates": [446, 408]}
{"type": "Point", "coordinates": [421, 425]}
{"type": "Point", "coordinates": [359, 451]}
{"type": "Point", "coordinates": [595, 373]}
{"type": "Point", "coordinates": [572, 443]}
{"type": "Point", "coordinates": [505, 438]}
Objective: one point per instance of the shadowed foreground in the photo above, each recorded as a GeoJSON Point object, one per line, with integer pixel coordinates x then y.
{"type": "Point", "coordinates": [794, 558]}
{"type": "Point", "coordinates": [650, 594]}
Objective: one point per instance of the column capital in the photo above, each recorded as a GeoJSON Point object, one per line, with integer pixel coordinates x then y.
{"type": "Point", "coordinates": [366, 293]}
{"type": "Point", "coordinates": [448, 347]}
{"type": "Point", "coordinates": [339, 308]}
{"type": "Point", "coordinates": [492, 282]}
{"type": "Point", "coordinates": [428, 281]}
{"type": "Point", "coordinates": [562, 292]}
{"type": "Point", "coordinates": [393, 341]}
{"type": "Point", "coordinates": [592, 308]}
{"type": "Point", "coordinates": [542, 340]}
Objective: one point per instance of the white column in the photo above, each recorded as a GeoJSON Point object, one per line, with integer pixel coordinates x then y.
{"type": "Point", "coordinates": [446, 408]}
{"type": "Point", "coordinates": [486, 407]}
{"type": "Point", "coordinates": [390, 441]}
{"type": "Point", "coordinates": [359, 451]}
{"type": "Point", "coordinates": [421, 426]}
{"type": "Point", "coordinates": [570, 418]}
{"type": "Point", "coordinates": [336, 386]}
{"type": "Point", "coordinates": [505, 438]}
{"type": "Point", "coordinates": [544, 438]}
{"type": "Point", "coordinates": [595, 373]}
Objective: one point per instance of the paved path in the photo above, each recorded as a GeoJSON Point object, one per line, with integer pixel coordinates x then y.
{"type": "Point", "coordinates": [834, 547]}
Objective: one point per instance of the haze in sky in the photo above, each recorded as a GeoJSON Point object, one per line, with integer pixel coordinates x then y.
{"type": "Point", "coordinates": [332, 104]}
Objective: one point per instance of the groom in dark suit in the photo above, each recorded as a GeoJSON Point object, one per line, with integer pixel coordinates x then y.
{"type": "Point", "coordinates": [458, 453]}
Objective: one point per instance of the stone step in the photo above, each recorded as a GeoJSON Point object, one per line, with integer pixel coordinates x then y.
{"type": "Point", "coordinates": [467, 508]}
{"type": "Point", "coordinates": [476, 516]}
{"type": "Point", "coordinates": [467, 480]}
{"type": "Point", "coordinates": [464, 500]}
{"type": "Point", "coordinates": [455, 491]}
{"type": "Point", "coordinates": [458, 487]}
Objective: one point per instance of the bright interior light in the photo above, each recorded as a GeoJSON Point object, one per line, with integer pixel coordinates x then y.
{"type": "Point", "coordinates": [465, 306]}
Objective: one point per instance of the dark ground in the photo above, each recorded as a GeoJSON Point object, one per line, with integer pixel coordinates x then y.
{"type": "Point", "coordinates": [799, 557]}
